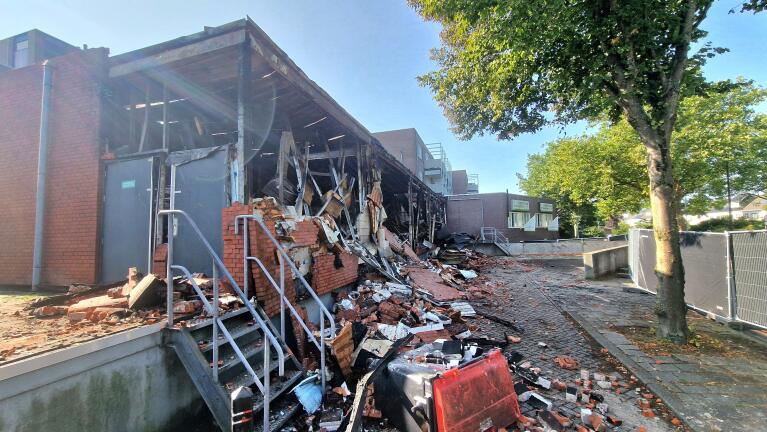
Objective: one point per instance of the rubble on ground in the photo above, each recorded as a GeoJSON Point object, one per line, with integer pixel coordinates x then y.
{"type": "Point", "coordinates": [402, 317]}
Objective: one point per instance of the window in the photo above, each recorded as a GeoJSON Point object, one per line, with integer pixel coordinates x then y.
{"type": "Point", "coordinates": [518, 219]}
{"type": "Point", "coordinates": [751, 215]}
{"type": "Point", "coordinates": [21, 52]}
{"type": "Point", "coordinates": [520, 205]}
{"type": "Point", "coordinates": [543, 220]}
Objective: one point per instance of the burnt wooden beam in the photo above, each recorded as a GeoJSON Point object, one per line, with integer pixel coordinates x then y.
{"type": "Point", "coordinates": [173, 55]}
{"type": "Point", "coordinates": [244, 119]}
{"type": "Point", "coordinates": [280, 62]}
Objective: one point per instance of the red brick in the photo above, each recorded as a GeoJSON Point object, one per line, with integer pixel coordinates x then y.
{"type": "Point", "coordinates": [73, 195]}
{"type": "Point", "coordinates": [326, 278]}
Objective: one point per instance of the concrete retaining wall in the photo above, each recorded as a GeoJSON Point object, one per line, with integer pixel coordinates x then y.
{"type": "Point", "coordinates": [555, 247]}
{"type": "Point", "coordinates": [125, 382]}
{"type": "Point", "coordinates": [606, 261]}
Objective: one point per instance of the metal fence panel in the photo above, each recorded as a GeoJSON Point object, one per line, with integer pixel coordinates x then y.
{"type": "Point", "coordinates": [642, 259]}
{"type": "Point", "coordinates": [749, 271]}
{"type": "Point", "coordinates": [704, 256]}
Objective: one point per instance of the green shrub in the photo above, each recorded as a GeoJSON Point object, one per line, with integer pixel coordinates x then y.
{"type": "Point", "coordinates": [721, 225]}
{"type": "Point", "coordinates": [593, 231]}
{"type": "Point", "coordinates": [621, 228]}
{"type": "Point", "coordinates": [643, 225]}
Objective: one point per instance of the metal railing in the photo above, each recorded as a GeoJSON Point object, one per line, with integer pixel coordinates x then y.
{"type": "Point", "coordinates": [726, 273]}
{"type": "Point", "coordinates": [282, 258]}
{"type": "Point", "coordinates": [492, 235]}
{"type": "Point", "coordinates": [212, 310]}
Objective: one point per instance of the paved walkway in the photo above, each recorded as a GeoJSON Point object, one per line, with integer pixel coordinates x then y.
{"type": "Point", "coordinates": [721, 386]}
{"type": "Point", "coordinates": [518, 300]}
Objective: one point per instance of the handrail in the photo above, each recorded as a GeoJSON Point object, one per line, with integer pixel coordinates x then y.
{"type": "Point", "coordinates": [217, 261]}
{"type": "Point", "coordinates": [494, 234]}
{"type": "Point", "coordinates": [292, 266]}
{"type": "Point", "coordinates": [284, 257]}
{"type": "Point", "coordinates": [287, 303]}
{"type": "Point", "coordinates": [212, 311]}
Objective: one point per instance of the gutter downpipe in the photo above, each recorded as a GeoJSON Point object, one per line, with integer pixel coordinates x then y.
{"type": "Point", "coordinates": [42, 174]}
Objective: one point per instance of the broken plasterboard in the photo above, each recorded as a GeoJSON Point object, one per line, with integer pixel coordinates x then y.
{"type": "Point", "coordinates": [464, 308]}
{"type": "Point", "coordinates": [393, 332]}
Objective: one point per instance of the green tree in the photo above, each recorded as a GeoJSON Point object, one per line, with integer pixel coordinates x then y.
{"type": "Point", "coordinates": [545, 178]}
{"type": "Point", "coordinates": [716, 133]}
{"type": "Point", "coordinates": [605, 170]}
{"type": "Point", "coordinates": [513, 66]}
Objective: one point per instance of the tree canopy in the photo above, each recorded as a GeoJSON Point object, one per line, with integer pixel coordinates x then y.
{"type": "Point", "coordinates": [513, 66]}
{"type": "Point", "coordinates": [607, 168]}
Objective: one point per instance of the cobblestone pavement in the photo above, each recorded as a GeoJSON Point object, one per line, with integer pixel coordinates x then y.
{"type": "Point", "coordinates": [517, 299]}
{"type": "Point", "coordinates": [709, 392]}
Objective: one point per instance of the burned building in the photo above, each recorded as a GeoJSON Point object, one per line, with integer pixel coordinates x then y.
{"type": "Point", "coordinates": [215, 167]}
{"type": "Point", "coordinates": [223, 114]}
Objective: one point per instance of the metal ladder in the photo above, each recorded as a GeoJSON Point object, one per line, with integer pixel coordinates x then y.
{"type": "Point", "coordinates": [282, 258]}
{"type": "Point", "coordinates": [247, 334]}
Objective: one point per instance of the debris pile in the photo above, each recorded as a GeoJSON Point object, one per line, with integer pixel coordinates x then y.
{"type": "Point", "coordinates": [139, 299]}
{"type": "Point", "coordinates": [406, 337]}
{"type": "Point", "coordinates": [411, 318]}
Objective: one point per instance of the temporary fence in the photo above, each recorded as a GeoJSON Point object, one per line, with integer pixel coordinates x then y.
{"type": "Point", "coordinates": [748, 251]}
{"type": "Point", "coordinates": [725, 273]}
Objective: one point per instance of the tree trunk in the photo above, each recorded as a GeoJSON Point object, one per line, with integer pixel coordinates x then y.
{"type": "Point", "coordinates": [670, 305]}
{"type": "Point", "coordinates": [680, 220]}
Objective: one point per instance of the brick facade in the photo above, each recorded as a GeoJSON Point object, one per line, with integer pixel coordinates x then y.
{"type": "Point", "coordinates": [233, 244]}
{"type": "Point", "coordinates": [305, 234]}
{"type": "Point", "coordinates": [73, 196]}
{"type": "Point", "coordinates": [326, 277]}
{"type": "Point", "coordinates": [160, 260]}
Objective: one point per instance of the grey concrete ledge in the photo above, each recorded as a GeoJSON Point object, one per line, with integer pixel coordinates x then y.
{"type": "Point", "coordinates": [37, 371]}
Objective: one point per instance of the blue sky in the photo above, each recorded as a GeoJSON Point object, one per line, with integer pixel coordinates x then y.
{"type": "Point", "coordinates": [365, 53]}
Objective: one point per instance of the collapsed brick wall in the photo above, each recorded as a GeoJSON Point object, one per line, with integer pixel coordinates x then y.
{"type": "Point", "coordinates": [233, 244]}
{"type": "Point", "coordinates": [305, 233]}
{"type": "Point", "coordinates": [326, 277]}
{"type": "Point", "coordinates": [73, 197]}
{"type": "Point", "coordinates": [259, 246]}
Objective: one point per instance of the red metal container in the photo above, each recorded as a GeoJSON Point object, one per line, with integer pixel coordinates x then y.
{"type": "Point", "coordinates": [476, 397]}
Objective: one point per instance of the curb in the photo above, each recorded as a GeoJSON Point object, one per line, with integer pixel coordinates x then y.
{"type": "Point", "coordinates": [671, 401]}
